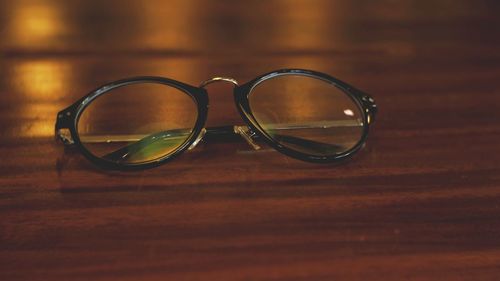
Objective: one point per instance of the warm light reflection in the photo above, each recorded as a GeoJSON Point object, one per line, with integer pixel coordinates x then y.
{"type": "Point", "coordinates": [42, 79]}
{"type": "Point", "coordinates": [317, 63]}
{"type": "Point", "coordinates": [35, 24]}
{"type": "Point", "coordinates": [43, 83]}
{"type": "Point", "coordinates": [41, 121]}
{"type": "Point", "coordinates": [188, 70]}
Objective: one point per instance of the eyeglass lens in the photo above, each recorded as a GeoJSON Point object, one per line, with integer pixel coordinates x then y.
{"type": "Point", "coordinates": [156, 118]}
{"type": "Point", "coordinates": [307, 114]}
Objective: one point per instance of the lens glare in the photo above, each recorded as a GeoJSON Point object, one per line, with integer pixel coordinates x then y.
{"type": "Point", "coordinates": [307, 114]}
{"type": "Point", "coordinates": [137, 123]}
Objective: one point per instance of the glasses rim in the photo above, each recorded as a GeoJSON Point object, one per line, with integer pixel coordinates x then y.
{"type": "Point", "coordinates": [68, 118]}
{"type": "Point", "coordinates": [244, 91]}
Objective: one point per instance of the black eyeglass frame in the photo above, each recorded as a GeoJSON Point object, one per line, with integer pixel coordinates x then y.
{"type": "Point", "coordinates": [69, 117]}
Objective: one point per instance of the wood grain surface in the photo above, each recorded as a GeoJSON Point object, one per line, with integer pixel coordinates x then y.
{"type": "Point", "coordinates": [420, 202]}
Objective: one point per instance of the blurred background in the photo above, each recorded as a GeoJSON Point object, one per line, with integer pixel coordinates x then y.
{"type": "Point", "coordinates": [53, 52]}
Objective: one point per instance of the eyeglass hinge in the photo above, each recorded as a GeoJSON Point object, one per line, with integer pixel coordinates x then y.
{"type": "Point", "coordinates": [64, 135]}
{"type": "Point", "coordinates": [370, 105]}
{"type": "Point", "coordinates": [62, 131]}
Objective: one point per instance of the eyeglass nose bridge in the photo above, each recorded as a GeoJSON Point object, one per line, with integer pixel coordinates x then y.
{"type": "Point", "coordinates": [217, 79]}
{"type": "Point", "coordinates": [242, 131]}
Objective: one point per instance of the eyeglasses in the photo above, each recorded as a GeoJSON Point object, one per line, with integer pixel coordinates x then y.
{"type": "Point", "coordinates": [145, 121]}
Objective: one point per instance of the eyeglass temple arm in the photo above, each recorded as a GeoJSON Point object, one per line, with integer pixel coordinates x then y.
{"type": "Point", "coordinates": [64, 119]}
{"type": "Point", "coordinates": [227, 133]}
{"type": "Point", "coordinates": [368, 103]}
{"type": "Point", "coordinates": [234, 133]}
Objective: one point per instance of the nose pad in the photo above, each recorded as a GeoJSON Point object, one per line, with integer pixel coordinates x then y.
{"type": "Point", "coordinates": [247, 134]}
{"type": "Point", "coordinates": [198, 139]}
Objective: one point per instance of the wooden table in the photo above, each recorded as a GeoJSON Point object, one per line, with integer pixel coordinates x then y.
{"type": "Point", "coordinates": [420, 202]}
